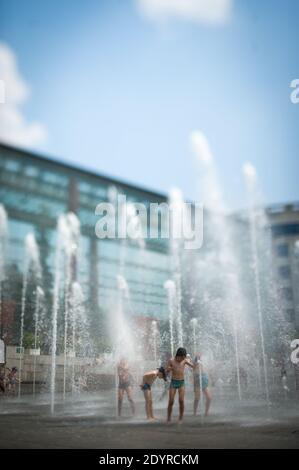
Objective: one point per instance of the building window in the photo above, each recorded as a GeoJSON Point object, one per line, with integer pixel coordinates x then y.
{"type": "Point", "coordinates": [284, 272]}
{"type": "Point", "coordinates": [282, 250]}
{"type": "Point", "coordinates": [95, 190]}
{"type": "Point", "coordinates": [31, 171]}
{"type": "Point", "coordinates": [54, 178]}
{"type": "Point", "coordinates": [12, 165]}
{"type": "Point", "coordinates": [282, 230]}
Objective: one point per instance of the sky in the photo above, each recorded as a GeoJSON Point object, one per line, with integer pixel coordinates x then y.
{"type": "Point", "coordinates": [119, 86]}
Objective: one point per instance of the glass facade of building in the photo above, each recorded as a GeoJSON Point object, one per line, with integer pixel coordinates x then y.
{"type": "Point", "coordinates": [36, 190]}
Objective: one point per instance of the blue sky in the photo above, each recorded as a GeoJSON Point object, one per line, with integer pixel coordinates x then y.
{"type": "Point", "coordinates": [119, 92]}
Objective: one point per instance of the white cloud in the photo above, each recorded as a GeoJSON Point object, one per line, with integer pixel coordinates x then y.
{"type": "Point", "coordinates": [14, 128]}
{"type": "Point", "coordinates": [200, 11]}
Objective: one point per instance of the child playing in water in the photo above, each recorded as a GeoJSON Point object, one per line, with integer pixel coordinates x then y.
{"type": "Point", "coordinates": [125, 382]}
{"type": "Point", "coordinates": [201, 382]}
{"type": "Point", "coordinates": [147, 382]}
{"type": "Point", "coordinates": [177, 368]}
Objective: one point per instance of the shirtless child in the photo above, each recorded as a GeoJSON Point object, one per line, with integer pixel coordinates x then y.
{"type": "Point", "coordinates": [176, 367]}
{"type": "Point", "coordinates": [146, 386]}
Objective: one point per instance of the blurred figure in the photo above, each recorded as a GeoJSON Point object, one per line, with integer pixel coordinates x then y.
{"type": "Point", "coordinates": [201, 383]}
{"type": "Point", "coordinates": [2, 379]}
{"type": "Point", "coordinates": [284, 380]}
{"type": "Point", "coordinates": [12, 380]}
{"type": "Point", "coordinates": [125, 383]}
{"type": "Point", "coordinates": [243, 377]}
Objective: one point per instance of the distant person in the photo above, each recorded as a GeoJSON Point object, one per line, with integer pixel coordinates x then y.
{"type": "Point", "coordinates": [243, 377]}
{"type": "Point", "coordinates": [284, 379]}
{"type": "Point", "coordinates": [283, 371]}
{"type": "Point", "coordinates": [146, 387]}
{"type": "Point", "coordinates": [12, 379]}
{"type": "Point", "coordinates": [2, 378]}
{"type": "Point", "coordinates": [201, 383]}
{"type": "Point", "coordinates": [176, 367]}
{"type": "Point", "coordinates": [125, 383]}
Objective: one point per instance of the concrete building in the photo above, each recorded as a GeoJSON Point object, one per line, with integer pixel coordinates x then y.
{"type": "Point", "coordinates": [284, 221]}
{"type": "Point", "coordinates": [35, 191]}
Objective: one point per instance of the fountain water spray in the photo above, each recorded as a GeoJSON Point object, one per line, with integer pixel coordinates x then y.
{"type": "Point", "coordinates": [71, 249]}
{"type": "Point", "coordinates": [169, 286]}
{"type": "Point", "coordinates": [250, 179]}
{"type": "Point", "coordinates": [122, 331]}
{"type": "Point", "coordinates": [154, 339]}
{"type": "Point", "coordinates": [201, 391]}
{"type": "Point", "coordinates": [67, 227]}
{"type": "Point", "coordinates": [122, 286]}
{"type": "Point", "coordinates": [62, 231]}
{"type": "Point", "coordinates": [194, 325]}
{"type": "Point", "coordinates": [38, 302]}
{"type": "Point", "coordinates": [123, 341]}
{"type": "Point", "coordinates": [3, 243]}
{"type": "Point", "coordinates": [176, 238]}
{"type": "Point", "coordinates": [77, 315]}
{"type": "Point", "coordinates": [233, 299]}
{"type": "Point", "coordinates": [31, 261]}
{"type": "Point", "coordinates": [136, 233]}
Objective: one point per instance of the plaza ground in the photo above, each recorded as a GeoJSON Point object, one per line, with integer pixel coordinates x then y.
{"type": "Point", "coordinates": [89, 422]}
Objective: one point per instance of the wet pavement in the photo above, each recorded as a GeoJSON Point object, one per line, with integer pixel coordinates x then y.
{"type": "Point", "coordinates": [89, 421]}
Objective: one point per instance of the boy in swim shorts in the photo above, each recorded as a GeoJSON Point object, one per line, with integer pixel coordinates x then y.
{"type": "Point", "coordinates": [201, 383]}
{"type": "Point", "coordinates": [146, 387]}
{"type": "Point", "coordinates": [176, 367]}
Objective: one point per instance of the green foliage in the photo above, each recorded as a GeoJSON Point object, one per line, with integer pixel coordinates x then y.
{"type": "Point", "coordinates": [28, 340]}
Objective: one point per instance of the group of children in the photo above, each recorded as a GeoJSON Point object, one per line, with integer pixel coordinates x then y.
{"type": "Point", "coordinates": [176, 369]}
